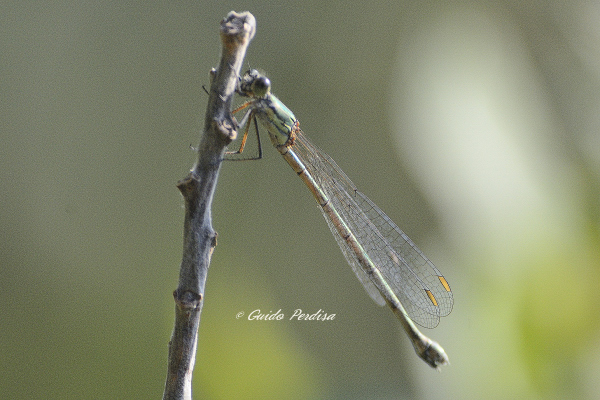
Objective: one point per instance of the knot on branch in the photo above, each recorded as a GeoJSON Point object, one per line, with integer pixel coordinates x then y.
{"type": "Point", "coordinates": [227, 129]}
{"type": "Point", "coordinates": [187, 300]}
{"type": "Point", "coordinates": [188, 184]}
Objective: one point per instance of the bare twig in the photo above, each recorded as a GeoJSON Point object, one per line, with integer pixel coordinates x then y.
{"type": "Point", "coordinates": [199, 237]}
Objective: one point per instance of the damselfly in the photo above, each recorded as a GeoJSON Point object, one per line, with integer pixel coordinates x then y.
{"type": "Point", "coordinates": [388, 264]}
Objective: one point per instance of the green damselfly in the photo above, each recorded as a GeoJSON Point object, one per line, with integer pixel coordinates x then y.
{"type": "Point", "coordinates": [388, 264]}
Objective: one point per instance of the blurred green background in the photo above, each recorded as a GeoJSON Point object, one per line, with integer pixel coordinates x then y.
{"type": "Point", "coordinates": [474, 125]}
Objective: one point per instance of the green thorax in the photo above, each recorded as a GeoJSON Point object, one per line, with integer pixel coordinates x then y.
{"type": "Point", "coordinates": [276, 118]}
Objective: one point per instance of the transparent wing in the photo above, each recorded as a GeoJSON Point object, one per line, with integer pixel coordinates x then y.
{"type": "Point", "coordinates": [418, 284]}
{"type": "Point", "coordinates": [352, 260]}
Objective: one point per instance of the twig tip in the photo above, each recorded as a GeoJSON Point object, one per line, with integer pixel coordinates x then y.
{"type": "Point", "coordinates": [238, 28]}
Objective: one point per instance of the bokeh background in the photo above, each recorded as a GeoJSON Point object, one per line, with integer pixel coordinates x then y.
{"type": "Point", "coordinates": [474, 125]}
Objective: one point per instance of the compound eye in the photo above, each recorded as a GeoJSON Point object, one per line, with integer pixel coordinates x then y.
{"type": "Point", "coordinates": [261, 86]}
